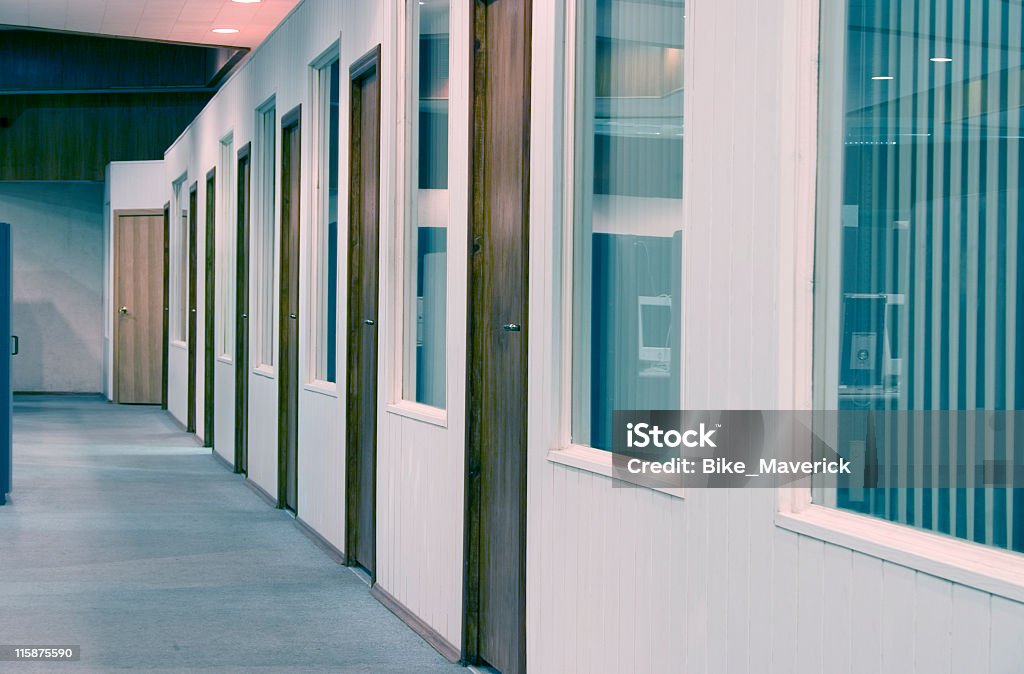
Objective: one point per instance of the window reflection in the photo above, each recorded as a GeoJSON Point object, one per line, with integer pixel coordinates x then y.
{"type": "Point", "coordinates": [628, 211]}
{"type": "Point", "coordinates": [426, 303]}
{"type": "Point", "coordinates": [927, 212]}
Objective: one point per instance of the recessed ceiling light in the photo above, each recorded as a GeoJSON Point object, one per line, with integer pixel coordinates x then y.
{"type": "Point", "coordinates": [225, 31]}
{"type": "Point", "coordinates": [883, 77]}
{"type": "Point", "coordinates": [940, 59]}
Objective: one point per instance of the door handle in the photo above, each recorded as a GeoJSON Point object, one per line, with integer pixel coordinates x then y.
{"type": "Point", "coordinates": [123, 311]}
{"type": "Point", "coordinates": [511, 327]}
{"type": "Point", "coordinates": [292, 316]}
{"type": "Point", "coordinates": [369, 321]}
{"type": "Point", "coordinates": [244, 316]}
{"type": "Point", "coordinates": [15, 347]}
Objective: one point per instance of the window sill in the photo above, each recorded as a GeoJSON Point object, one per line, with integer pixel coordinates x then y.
{"type": "Point", "coordinates": [264, 371]}
{"type": "Point", "coordinates": [599, 462]}
{"type": "Point", "coordinates": [419, 412]}
{"type": "Point", "coordinates": [179, 344]}
{"type": "Point", "coordinates": [983, 568]}
{"type": "Point", "coordinates": [324, 388]}
{"type": "Point", "coordinates": [225, 359]}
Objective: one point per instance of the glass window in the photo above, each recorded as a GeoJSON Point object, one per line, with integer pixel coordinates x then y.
{"type": "Point", "coordinates": [628, 212]}
{"type": "Point", "coordinates": [226, 230]}
{"type": "Point", "coordinates": [325, 316]}
{"type": "Point", "coordinates": [266, 129]}
{"type": "Point", "coordinates": [427, 212]}
{"type": "Point", "coordinates": [919, 265]}
{"type": "Point", "coordinates": [179, 255]}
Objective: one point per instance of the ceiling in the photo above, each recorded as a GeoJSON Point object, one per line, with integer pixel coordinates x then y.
{"type": "Point", "coordinates": [190, 21]}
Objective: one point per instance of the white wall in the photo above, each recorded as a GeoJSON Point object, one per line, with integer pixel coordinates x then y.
{"type": "Point", "coordinates": [618, 579]}
{"type": "Point", "coordinates": [57, 238]}
{"type": "Point", "coordinates": [280, 68]}
{"type": "Point", "coordinates": [130, 185]}
{"type": "Point", "coordinates": [637, 580]}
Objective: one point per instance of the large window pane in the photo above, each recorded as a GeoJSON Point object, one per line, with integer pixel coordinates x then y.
{"type": "Point", "coordinates": [627, 245]}
{"type": "Point", "coordinates": [427, 214]}
{"type": "Point", "coordinates": [921, 211]}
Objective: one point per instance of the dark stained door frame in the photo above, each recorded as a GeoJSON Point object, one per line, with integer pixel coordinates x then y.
{"type": "Point", "coordinates": [209, 306]}
{"type": "Point", "coordinates": [363, 262]}
{"type": "Point", "coordinates": [288, 360]}
{"type": "Point", "coordinates": [193, 204]}
{"type": "Point", "coordinates": [167, 303]}
{"type": "Point", "coordinates": [242, 312]}
{"type": "Point", "coordinates": [494, 597]}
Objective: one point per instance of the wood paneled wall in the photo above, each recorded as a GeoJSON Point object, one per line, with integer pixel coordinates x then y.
{"type": "Point", "coordinates": [41, 60]}
{"type": "Point", "coordinates": [74, 136]}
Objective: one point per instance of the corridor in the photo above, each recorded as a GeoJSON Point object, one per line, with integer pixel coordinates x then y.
{"type": "Point", "coordinates": [125, 537]}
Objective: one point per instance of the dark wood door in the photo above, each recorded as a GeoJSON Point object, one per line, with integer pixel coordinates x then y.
{"type": "Point", "coordinates": [209, 306]}
{"type": "Point", "coordinates": [363, 246]}
{"type": "Point", "coordinates": [495, 621]}
{"type": "Point", "coordinates": [166, 304]}
{"type": "Point", "coordinates": [190, 424]}
{"type": "Point", "coordinates": [242, 314]}
{"type": "Point", "coordinates": [288, 361]}
{"type": "Point", "coordinates": [138, 325]}
{"type": "Point", "coordinates": [9, 349]}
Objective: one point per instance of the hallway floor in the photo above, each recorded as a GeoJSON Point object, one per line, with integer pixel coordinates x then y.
{"type": "Point", "coordinates": [125, 537]}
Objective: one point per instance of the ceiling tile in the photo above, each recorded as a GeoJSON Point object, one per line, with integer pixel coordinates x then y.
{"type": "Point", "coordinates": [179, 20]}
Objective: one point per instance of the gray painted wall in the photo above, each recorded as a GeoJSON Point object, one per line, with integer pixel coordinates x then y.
{"type": "Point", "coordinates": [57, 232]}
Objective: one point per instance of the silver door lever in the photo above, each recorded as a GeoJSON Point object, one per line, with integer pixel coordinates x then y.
{"type": "Point", "coordinates": [511, 327]}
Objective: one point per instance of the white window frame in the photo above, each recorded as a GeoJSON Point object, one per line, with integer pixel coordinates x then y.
{"type": "Point", "coordinates": [971, 564]}
{"type": "Point", "coordinates": [405, 204]}
{"type": "Point", "coordinates": [179, 250]}
{"type": "Point", "coordinates": [266, 227]}
{"type": "Point", "coordinates": [568, 453]}
{"type": "Point", "coordinates": [317, 271]}
{"type": "Point", "coordinates": [227, 230]}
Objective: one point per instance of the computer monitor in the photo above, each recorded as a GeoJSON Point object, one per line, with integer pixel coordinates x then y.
{"type": "Point", "coordinates": [654, 322]}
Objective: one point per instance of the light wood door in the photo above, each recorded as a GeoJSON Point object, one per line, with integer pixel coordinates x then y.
{"type": "Point", "coordinates": [495, 622]}
{"type": "Point", "coordinates": [364, 231]}
{"type": "Point", "coordinates": [139, 308]}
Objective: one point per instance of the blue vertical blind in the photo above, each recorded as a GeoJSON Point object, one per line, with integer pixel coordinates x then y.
{"type": "Point", "coordinates": [930, 271]}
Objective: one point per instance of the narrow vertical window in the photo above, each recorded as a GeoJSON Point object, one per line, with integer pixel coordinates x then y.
{"type": "Point", "coordinates": [226, 229]}
{"type": "Point", "coordinates": [179, 272]}
{"type": "Point", "coordinates": [426, 245]}
{"type": "Point", "coordinates": [628, 212]}
{"type": "Point", "coordinates": [266, 148]}
{"type": "Point", "coordinates": [325, 315]}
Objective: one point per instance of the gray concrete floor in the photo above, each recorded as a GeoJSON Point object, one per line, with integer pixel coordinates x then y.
{"type": "Point", "coordinates": [125, 537]}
